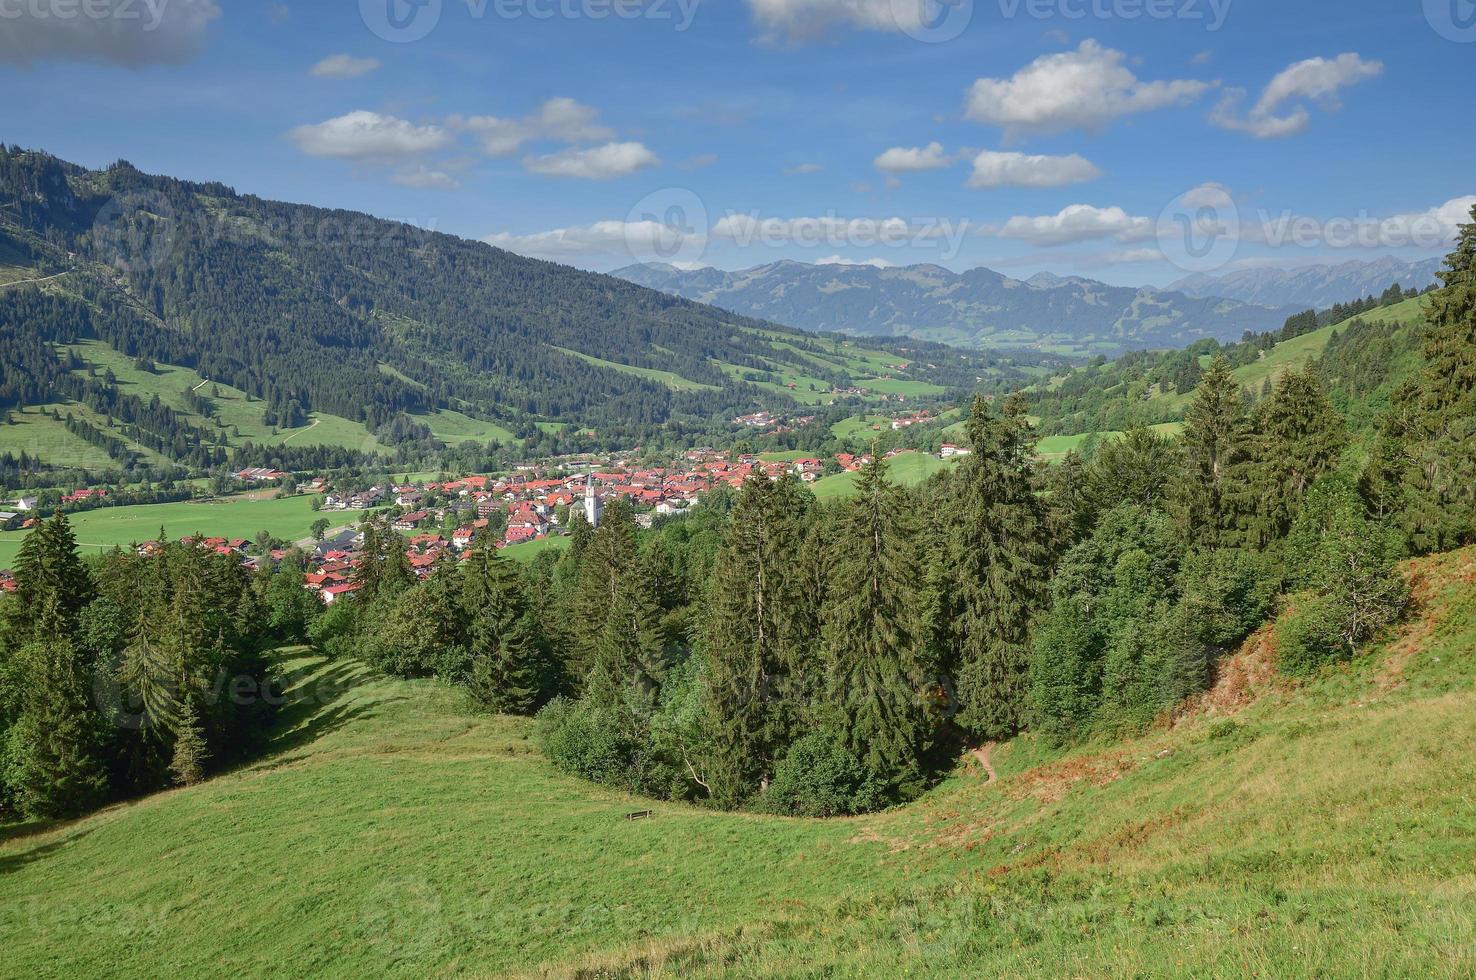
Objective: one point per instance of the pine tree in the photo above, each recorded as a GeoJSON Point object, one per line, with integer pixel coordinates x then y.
{"type": "Point", "coordinates": [873, 634]}
{"type": "Point", "coordinates": [190, 753]}
{"type": "Point", "coordinates": [999, 553]}
{"type": "Point", "coordinates": [1299, 436]}
{"type": "Point", "coordinates": [1439, 467]}
{"type": "Point", "coordinates": [52, 584]}
{"type": "Point", "coordinates": [608, 559]}
{"type": "Point", "coordinates": [55, 763]}
{"type": "Point", "coordinates": [508, 673]}
{"type": "Point", "coordinates": [1137, 469]}
{"type": "Point", "coordinates": [751, 639]}
{"type": "Point", "coordinates": [1207, 500]}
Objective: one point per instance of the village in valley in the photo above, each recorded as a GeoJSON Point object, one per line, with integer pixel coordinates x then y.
{"type": "Point", "coordinates": [445, 519]}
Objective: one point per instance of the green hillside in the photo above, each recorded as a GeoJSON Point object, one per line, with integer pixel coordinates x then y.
{"type": "Point", "coordinates": [907, 469]}
{"type": "Point", "coordinates": [245, 516]}
{"type": "Point", "coordinates": [333, 329]}
{"type": "Point", "coordinates": [1278, 831]}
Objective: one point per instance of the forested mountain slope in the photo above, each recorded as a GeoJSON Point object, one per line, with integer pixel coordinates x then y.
{"type": "Point", "coordinates": [310, 310]}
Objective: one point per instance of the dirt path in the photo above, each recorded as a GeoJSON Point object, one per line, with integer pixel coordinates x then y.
{"type": "Point", "coordinates": [983, 755]}
{"type": "Point", "coordinates": [21, 282]}
{"type": "Point", "coordinates": [310, 427]}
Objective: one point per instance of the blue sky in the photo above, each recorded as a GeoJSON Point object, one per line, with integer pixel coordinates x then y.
{"type": "Point", "coordinates": [1129, 140]}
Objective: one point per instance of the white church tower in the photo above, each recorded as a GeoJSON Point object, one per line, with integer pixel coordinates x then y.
{"type": "Point", "coordinates": [593, 505]}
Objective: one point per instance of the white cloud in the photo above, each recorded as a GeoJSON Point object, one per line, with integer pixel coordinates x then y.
{"type": "Point", "coordinates": [914, 159]}
{"type": "Point", "coordinates": [1083, 89]}
{"type": "Point", "coordinates": [424, 177]}
{"type": "Point", "coordinates": [345, 66]}
{"type": "Point", "coordinates": [594, 163]}
{"type": "Point", "coordinates": [558, 119]}
{"type": "Point", "coordinates": [842, 260]}
{"type": "Point", "coordinates": [995, 169]}
{"type": "Point", "coordinates": [801, 169]}
{"type": "Point", "coordinates": [1316, 79]}
{"type": "Point", "coordinates": [364, 135]}
{"type": "Point", "coordinates": [798, 20]}
{"type": "Point", "coordinates": [1077, 223]}
{"type": "Point", "coordinates": [1433, 229]}
{"type": "Point", "coordinates": [619, 238]}
{"type": "Point", "coordinates": [699, 161]}
{"type": "Point", "coordinates": [131, 35]}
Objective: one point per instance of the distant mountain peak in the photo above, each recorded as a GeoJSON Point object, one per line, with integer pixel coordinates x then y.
{"type": "Point", "coordinates": [978, 308]}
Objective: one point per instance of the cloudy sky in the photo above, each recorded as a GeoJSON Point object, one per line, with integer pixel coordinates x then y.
{"type": "Point", "coordinates": [1128, 140]}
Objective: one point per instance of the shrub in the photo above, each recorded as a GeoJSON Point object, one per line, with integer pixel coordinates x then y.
{"type": "Point", "coordinates": [819, 778]}
{"type": "Point", "coordinates": [1308, 639]}
{"type": "Point", "coordinates": [581, 742]}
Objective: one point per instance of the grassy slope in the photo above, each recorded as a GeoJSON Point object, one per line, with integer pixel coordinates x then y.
{"type": "Point", "coordinates": [233, 517]}
{"type": "Point", "coordinates": [671, 379]}
{"type": "Point", "coordinates": [907, 469]}
{"type": "Point", "coordinates": [1275, 831]}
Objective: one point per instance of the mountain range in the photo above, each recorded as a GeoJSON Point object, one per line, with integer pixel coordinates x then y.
{"type": "Point", "coordinates": [979, 308]}
{"type": "Point", "coordinates": [1312, 286]}
{"type": "Point", "coordinates": [382, 325]}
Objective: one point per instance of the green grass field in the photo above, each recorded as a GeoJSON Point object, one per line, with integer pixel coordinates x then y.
{"type": "Point", "coordinates": [289, 518]}
{"type": "Point", "coordinates": [858, 430]}
{"type": "Point", "coordinates": [908, 469]}
{"type": "Point", "coordinates": [33, 431]}
{"type": "Point", "coordinates": [1272, 831]}
{"type": "Point", "coordinates": [671, 379]}
{"type": "Point", "coordinates": [528, 550]}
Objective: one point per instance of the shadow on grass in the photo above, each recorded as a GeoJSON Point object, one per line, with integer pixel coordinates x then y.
{"type": "Point", "coordinates": [14, 862]}
{"type": "Point", "coordinates": [321, 699]}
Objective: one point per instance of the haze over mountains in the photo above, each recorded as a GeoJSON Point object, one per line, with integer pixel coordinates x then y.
{"type": "Point", "coordinates": [979, 308]}
{"type": "Point", "coordinates": [1317, 286]}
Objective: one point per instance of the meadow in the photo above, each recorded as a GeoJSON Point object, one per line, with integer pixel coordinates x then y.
{"type": "Point", "coordinates": [1273, 830]}
{"type": "Point", "coordinates": [243, 516]}
{"type": "Point", "coordinates": [907, 469]}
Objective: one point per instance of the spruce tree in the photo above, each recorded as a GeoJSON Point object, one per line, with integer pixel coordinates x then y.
{"type": "Point", "coordinates": [609, 557]}
{"type": "Point", "coordinates": [873, 633]}
{"type": "Point", "coordinates": [52, 584]}
{"type": "Point", "coordinates": [1137, 469]}
{"type": "Point", "coordinates": [1000, 556]}
{"type": "Point", "coordinates": [508, 673]}
{"type": "Point", "coordinates": [1299, 437]}
{"type": "Point", "coordinates": [752, 640]}
{"type": "Point", "coordinates": [1208, 499]}
{"type": "Point", "coordinates": [187, 765]}
{"type": "Point", "coordinates": [1440, 453]}
{"type": "Point", "coordinates": [55, 754]}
